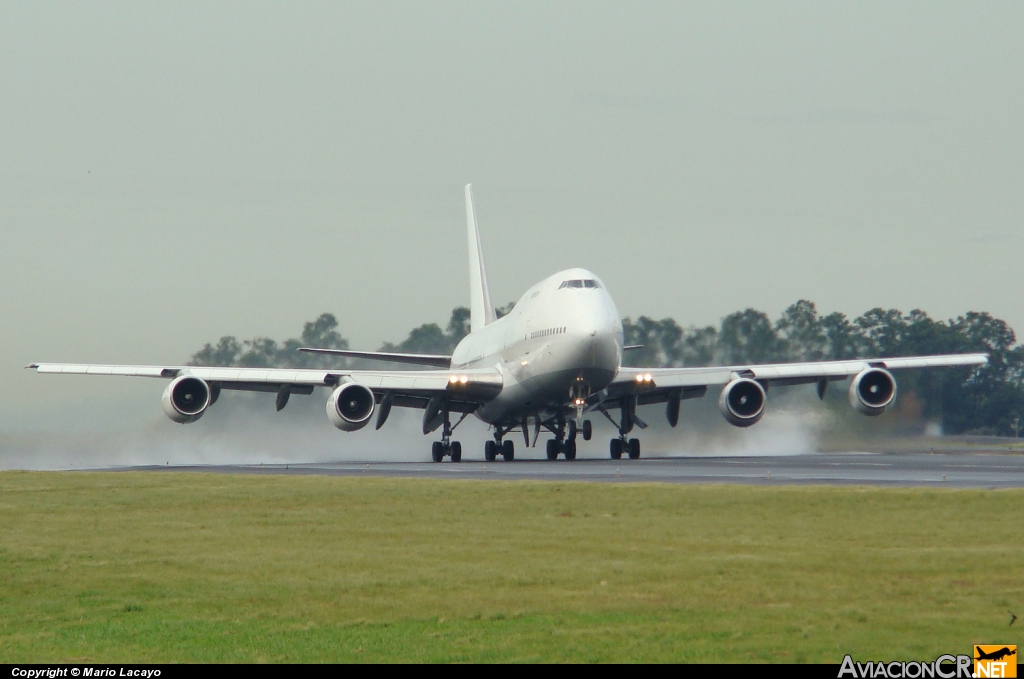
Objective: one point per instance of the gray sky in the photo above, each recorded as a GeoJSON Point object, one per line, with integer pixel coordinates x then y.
{"type": "Point", "coordinates": [173, 173]}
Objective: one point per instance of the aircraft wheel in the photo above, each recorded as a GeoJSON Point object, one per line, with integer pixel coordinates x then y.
{"type": "Point", "coordinates": [437, 451]}
{"type": "Point", "coordinates": [508, 451]}
{"type": "Point", "coordinates": [588, 430]}
{"type": "Point", "coordinates": [490, 451]}
{"type": "Point", "coordinates": [552, 449]}
{"type": "Point", "coordinates": [570, 450]}
{"type": "Point", "coordinates": [634, 449]}
{"type": "Point", "coordinates": [457, 451]}
{"type": "Point", "coordinates": [570, 435]}
{"type": "Point", "coordinates": [616, 449]}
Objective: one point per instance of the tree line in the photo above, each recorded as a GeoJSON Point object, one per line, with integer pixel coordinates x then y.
{"type": "Point", "coordinates": [985, 400]}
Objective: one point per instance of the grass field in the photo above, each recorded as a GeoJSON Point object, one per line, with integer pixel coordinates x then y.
{"type": "Point", "coordinates": [205, 567]}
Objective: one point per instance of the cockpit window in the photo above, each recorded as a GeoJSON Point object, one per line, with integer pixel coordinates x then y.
{"type": "Point", "coordinates": [577, 283]}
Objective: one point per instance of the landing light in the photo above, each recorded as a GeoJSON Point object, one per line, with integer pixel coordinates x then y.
{"type": "Point", "coordinates": [641, 378]}
{"type": "Point", "coordinates": [464, 379]}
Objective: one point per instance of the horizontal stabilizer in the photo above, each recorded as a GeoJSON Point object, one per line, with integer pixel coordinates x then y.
{"type": "Point", "coordinates": [436, 360]}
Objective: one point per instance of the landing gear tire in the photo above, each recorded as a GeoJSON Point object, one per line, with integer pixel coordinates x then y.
{"type": "Point", "coordinates": [570, 434]}
{"type": "Point", "coordinates": [570, 450]}
{"type": "Point", "coordinates": [634, 449]}
{"type": "Point", "coordinates": [553, 451]}
{"type": "Point", "coordinates": [437, 451]}
{"type": "Point", "coordinates": [616, 449]}
{"type": "Point", "coordinates": [490, 451]}
{"type": "Point", "coordinates": [456, 451]}
{"type": "Point", "coordinates": [508, 451]}
{"type": "Point", "coordinates": [588, 430]}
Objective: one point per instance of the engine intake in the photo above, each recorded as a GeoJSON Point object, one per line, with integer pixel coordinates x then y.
{"type": "Point", "coordinates": [186, 399]}
{"type": "Point", "coordinates": [872, 391]}
{"type": "Point", "coordinates": [350, 406]}
{"type": "Point", "coordinates": [742, 402]}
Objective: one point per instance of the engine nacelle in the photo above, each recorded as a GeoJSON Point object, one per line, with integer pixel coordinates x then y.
{"type": "Point", "coordinates": [872, 391]}
{"type": "Point", "coordinates": [742, 402]}
{"type": "Point", "coordinates": [186, 399]}
{"type": "Point", "coordinates": [350, 406]}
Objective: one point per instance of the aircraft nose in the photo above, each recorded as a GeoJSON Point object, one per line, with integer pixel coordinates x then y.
{"type": "Point", "coordinates": [597, 347]}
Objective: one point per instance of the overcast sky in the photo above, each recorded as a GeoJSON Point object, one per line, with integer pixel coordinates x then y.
{"type": "Point", "coordinates": [171, 173]}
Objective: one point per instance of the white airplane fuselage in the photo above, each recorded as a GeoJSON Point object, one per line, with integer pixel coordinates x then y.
{"type": "Point", "coordinates": [558, 338]}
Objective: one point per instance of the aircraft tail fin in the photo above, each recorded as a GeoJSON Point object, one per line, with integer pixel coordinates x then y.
{"type": "Point", "coordinates": [481, 308]}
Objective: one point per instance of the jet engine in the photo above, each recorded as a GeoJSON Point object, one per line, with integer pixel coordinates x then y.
{"type": "Point", "coordinates": [742, 402]}
{"type": "Point", "coordinates": [872, 391]}
{"type": "Point", "coordinates": [350, 406]}
{"type": "Point", "coordinates": [186, 399]}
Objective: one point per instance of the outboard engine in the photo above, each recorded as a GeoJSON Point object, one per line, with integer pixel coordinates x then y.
{"type": "Point", "coordinates": [742, 402]}
{"type": "Point", "coordinates": [872, 391]}
{"type": "Point", "coordinates": [186, 399]}
{"type": "Point", "coordinates": [350, 406]}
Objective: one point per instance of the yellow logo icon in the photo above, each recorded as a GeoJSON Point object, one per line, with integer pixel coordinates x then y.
{"type": "Point", "coordinates": [993, 660]}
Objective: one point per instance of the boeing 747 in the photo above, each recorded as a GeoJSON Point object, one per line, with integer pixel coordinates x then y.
{"type": "Point", "coordinates": [553, 362]}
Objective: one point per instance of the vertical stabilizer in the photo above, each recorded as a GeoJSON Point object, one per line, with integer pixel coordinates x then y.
{"type": "Point", "coordinates": [481, 309]}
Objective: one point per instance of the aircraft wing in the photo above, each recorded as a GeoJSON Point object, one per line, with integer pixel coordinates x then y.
{"type": "Point", "coordinates": [410, 388]}
{"type": "Point", "coordinates": [653, 385]}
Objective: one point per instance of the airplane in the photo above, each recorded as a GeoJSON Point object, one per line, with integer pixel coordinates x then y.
{"type": "Point", "coordinates": [554, 360]}
{"type": "Point", "coordinates": [995, 655]}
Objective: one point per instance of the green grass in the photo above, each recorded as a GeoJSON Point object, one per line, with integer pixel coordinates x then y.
{"type": "Point", "coordinates": [206, 567]}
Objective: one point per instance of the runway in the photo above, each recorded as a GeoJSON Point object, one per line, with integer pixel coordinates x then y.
{"type": "Point", "coordinates": [875, 469]}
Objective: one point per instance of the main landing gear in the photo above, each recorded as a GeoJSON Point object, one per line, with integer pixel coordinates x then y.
{"type": "Point", "coordinates": [564, 442]}
{"type": "Point", "coordinates": [439, 410]}
{"type": "Point", "coordinates": [506, 449]}
{"type": "Point", "coordinates": [620, 445]}
{"type": "Point", "coordinates": [441, 449]}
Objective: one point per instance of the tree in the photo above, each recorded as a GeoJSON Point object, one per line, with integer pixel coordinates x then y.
{"type": "Point", "coordinates": [842, 340]}
{"type": "Point", "coordinates": [747, 337]}
{"type": "Point", "coordinates": [430, 339]}
{"type": "Point", "coordinates": [699, 345]}
{"type": "Point", "coordinates": [800, 332]}
{"type": "Point", "coordinates": [226, 352]}
{"type": "Point", "coordinates": [662, 342]}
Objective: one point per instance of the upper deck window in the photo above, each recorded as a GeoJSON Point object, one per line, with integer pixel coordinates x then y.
{"type": "Point", "coordinates": [577, 283]}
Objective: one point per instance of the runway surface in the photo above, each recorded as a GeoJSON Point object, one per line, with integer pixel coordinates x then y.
{"type": "Point", "coordinates": [876, 469]}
